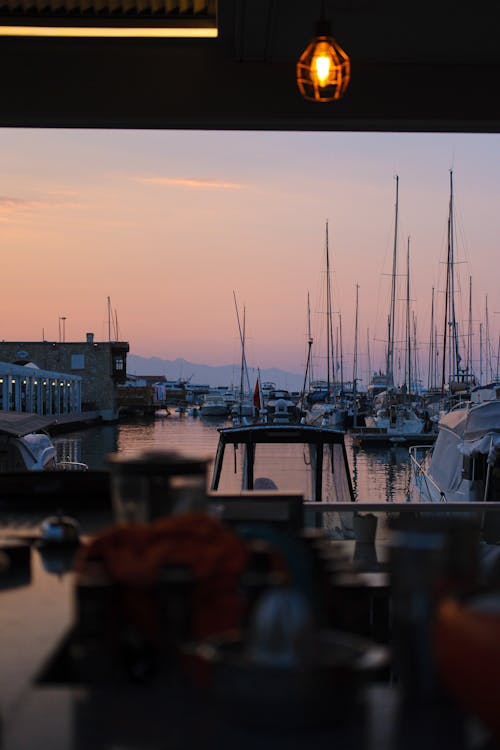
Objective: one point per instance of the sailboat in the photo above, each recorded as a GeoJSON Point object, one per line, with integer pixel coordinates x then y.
{"type": "Point", "coordinates": [393, 417]}
{"type": "Point", "coordinates": [244, 406]}
{"type": "Point", "coordinates": [323, 397]}
{"type": "Point", "coordinates": [455, 379]}
{"type": "Point", "coordinates": [464, 463]}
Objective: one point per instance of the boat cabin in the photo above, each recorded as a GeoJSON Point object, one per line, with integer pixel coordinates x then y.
{"type": "Point", "coordinates": [290, 458]}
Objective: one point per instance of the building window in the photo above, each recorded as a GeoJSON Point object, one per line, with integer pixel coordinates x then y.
{"type": "Point", "coordinates": [118, 364]}
{"type": "Point", "coordinates": [77, 361]}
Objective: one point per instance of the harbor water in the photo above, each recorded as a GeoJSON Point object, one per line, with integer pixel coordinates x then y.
{"type": "Point", "coordinates": [378, 474]}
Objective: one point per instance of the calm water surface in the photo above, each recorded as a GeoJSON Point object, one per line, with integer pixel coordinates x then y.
{"type": "Point", "coordinates": [378, 474]}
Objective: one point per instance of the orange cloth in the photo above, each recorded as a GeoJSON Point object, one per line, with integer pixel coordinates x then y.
{"type": "Point", "coordinates": [468, 657]}
{"type": "Point", "coordinates": [133, 556]}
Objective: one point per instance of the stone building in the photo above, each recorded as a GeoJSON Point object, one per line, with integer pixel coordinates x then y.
{"type": "Point", "coordinates": [101, 365]}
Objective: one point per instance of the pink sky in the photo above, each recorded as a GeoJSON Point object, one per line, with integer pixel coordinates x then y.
{"type": "Point", "coordinates": [168, 224]}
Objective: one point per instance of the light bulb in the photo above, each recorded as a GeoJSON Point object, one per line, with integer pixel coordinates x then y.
{"type": "Point", "coordinates": [323, 70]}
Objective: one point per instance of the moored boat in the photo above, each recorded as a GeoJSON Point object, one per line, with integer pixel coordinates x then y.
{"type": "Point", "coordinates": [25, 446]}
{"type": "Point", "coordinates": [290, 458]}
{"type": "Point", "coordinates": [214, 405]}
{"type": "Point", "coordinates": [464, 464]}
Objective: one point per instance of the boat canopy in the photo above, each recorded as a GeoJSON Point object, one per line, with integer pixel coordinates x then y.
{"type": "Point", "coordinates": [18, 424]}
{"type": "Point", "coordinates": [292, 458]}
{"type": "Point", "coordinates": [484, 418]}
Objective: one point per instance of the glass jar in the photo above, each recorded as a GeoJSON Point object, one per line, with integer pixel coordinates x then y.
{"type": "Point", "coordinates": [157, 483]}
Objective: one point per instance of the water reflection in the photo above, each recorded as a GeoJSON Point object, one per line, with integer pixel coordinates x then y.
{"type": "Point", "coordinates": [378, 474]}
{"type": "Point", "coordinates": [89, 446]}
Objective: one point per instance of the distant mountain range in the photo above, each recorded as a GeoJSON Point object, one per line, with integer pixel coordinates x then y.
{"type": "Point", "coordinates": [209, 374]}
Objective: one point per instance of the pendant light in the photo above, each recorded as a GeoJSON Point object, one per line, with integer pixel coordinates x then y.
{"type": "Point", "coordinates": [324, 68]}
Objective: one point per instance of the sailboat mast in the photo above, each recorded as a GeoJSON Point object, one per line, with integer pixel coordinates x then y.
{"type": "Point", "coordinates": [355, 356]}
{"type": "Point", "coordinates": [487, 342]}
{"type": "Point", "coordinates": [244, 367]}
{"type": "Point", "coordinates": [456, 358]}
{"type": "Point", "coordinates": [408, 327]}
{"type": "Point", "coordinates": [481, 353]}
{"type": "Point", "coordinates": [341, 355]}
{"type": "Point", "coordinates": [329, 352]}
{"type": "Point", "coordinates": [368, 355]}
{"type": "Point", "coordinates": [309, 347]}
{"type": "Point", "coordinates": [450, 343]}
{"type": "Point", "coordinates": [242, 361]}
{"type": "Point", "coordinates": [430, 371]}
{"type": "Point", "coordinates": [355, 363]}
{"type": "Point", "coordinates": [469, 332]}
{"type": "Point", "coordinates": [392, 313]}
{"type": "Point", "coordinates": [309, 340]}
{"type": "Point", "coordinates": [415, 369]}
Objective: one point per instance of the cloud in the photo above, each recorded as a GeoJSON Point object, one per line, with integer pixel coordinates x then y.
{"type": "Point", "coordinates": [192, 183]}
{"type": "Point", "coordinates": [9, 202]}
{"type": "Point", "coordinates": [12, 205]}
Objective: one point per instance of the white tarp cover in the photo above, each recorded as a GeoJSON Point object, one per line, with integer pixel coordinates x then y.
{"type": "Point", "coordinates": [446, 463]}
{"type": "Point", "coordinates": [455, 420]}
{"type": "Point", "coordinates": [483, 419]}
{"type": "Point", "coordinates": [488, 445]}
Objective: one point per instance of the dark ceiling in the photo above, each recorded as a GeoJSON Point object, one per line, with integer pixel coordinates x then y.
{"type": "Point", "coordinates": [427, 66]}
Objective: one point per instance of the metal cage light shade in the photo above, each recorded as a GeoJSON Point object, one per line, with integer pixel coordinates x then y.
{"type": "Point", "coordinates": [323, 70]}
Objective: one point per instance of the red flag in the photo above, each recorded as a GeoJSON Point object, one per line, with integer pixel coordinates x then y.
{"type": "Point", "coordinates": [256, 395]}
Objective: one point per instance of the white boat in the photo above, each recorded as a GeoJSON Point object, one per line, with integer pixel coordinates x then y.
{"type": "Point", "coordinates": [280, 409]}
{"type": "Point", "coordinates": [213, 405]}
{"type": "Point", "coordinates": [327, 415]}
{"type": "Point", "coordinates": [266, 388]}
{"type": "Point", "coordinates": [464, 464]}
{"type": "Point", "coordinates": [25, 447]}
{"type": "Point", "coordinates": [395, 417]}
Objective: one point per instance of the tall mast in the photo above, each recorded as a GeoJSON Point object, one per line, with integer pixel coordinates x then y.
{"type": "Point", "coordinates": [341, 355]}
{"type": "Point", "coordinates": [487, 342]}
{"type": "Point", "coordinates": [408, 327]}
{"type": "Point", "coordinates": [309, 340]}
{"type": "Point", "coordinates": [355, 362]}
{"type": "Point", "coordinates": [244, 367]}
{"type": "Point", "coordinates": [415, 366]}
{"type": "Point", "coordinates": [430, 372]}
{"type": "Point", "coordinates": [329, 343]}
{"type": "Point", "coordinates": [242, 360]}
{"type": "Point", "coordinates": [392, 313]}
{"type": "Point", "coordinates": [469, 332]}
{"type": "Point", "coordinates": [369, 355]}
{"type": "Point", "coordinates": [309, 347]}
{"type": "Point", "coordinates": [446, 305]}
{"type": "Point", "coordinates": [481, 353]}
{"type": "Point", "coordinates": [450, 342]}
{"type": "Point", "coordinates": [355, 356]}
{"type": "Point", "coordinates": [457, 357]}
{"type": "Point", "coordinates": [498, 357]}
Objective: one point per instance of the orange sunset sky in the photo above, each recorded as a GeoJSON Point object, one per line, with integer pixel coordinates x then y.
{"type": "Point", "coordinates": [168, 224]}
